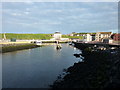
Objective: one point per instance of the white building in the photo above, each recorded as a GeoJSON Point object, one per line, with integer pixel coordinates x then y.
{"type": "Point", "coordinates": [90, 37]}
{"type": "Point", "coordinates": [57, 35]}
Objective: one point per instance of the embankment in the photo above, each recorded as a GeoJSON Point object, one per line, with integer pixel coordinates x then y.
{"type": "Point", "coordinates": [15, 47]}
{"type": "Point", "coordinates": [99, 69]}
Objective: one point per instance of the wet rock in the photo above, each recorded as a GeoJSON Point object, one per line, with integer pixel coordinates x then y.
{"type": "Point", "coordinates": [77, 55]}
{"type": "Point", "coordinates": [100, 69]}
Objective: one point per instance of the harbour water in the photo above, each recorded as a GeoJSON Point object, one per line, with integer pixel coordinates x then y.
{"type": "Point", "coordinates": [36, 68]}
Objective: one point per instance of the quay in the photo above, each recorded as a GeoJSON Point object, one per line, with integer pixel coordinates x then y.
{"type": "Point", "coordinates": [44, 42]}
{"type": "Point", "coordinates": [7, 46]}
{"type": "Point", "coordinates": [95, 44]}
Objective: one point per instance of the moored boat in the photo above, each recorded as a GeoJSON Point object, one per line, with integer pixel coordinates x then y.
{"type": "Point", "coordinates": [39, 43]}
{"type": "Point", "coordinates": [58, 47]}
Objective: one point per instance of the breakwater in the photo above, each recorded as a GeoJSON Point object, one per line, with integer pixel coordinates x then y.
{"type": "Point", "coordinates": [98, 69]}
{"type": "Point", "coordinates": [15, 47]}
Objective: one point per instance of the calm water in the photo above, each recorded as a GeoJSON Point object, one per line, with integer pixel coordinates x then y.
{"type": "Point", "coordinates": [36, 68]}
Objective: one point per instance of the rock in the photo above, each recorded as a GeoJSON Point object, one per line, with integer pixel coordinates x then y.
{"type": "Point", "coordinates": [76, 55]}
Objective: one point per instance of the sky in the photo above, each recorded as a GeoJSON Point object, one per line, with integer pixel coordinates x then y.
{"type": "Point", "coordinates": [66, 17]}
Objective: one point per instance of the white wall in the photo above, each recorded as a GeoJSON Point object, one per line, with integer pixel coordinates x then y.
{"type": "Point", "coordinates": [57, 36]}
{"type": "Point", "coordinates": [89, 37]}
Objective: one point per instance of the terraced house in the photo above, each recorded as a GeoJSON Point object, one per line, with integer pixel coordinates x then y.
{"type": "Point", "coordinates": [102, 35]}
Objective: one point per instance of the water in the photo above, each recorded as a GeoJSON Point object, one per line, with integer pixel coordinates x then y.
{"type": "Point", "coordinates": [36, 68]}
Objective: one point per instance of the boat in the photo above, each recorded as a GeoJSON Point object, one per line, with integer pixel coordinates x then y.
{"type": "Point", "coordinates": [58, 47]}
{"type": "Point", "coordinates": [70, 43]}
{"type": "Point", "coordinates": [38, 43]}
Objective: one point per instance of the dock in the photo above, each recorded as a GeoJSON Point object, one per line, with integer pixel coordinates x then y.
{"type": "Point", "coordinates": [106, 45]}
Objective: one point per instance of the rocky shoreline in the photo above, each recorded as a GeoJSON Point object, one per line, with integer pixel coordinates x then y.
{"type": "Point", "coordinates": [99, 69]}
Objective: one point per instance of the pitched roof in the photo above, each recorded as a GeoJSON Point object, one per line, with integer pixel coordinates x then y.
{"type": "Point", "coordinates": [105, 32]}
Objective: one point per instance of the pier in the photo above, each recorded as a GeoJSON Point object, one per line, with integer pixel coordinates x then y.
{"type": "Point", "coordinates": [106, 45]}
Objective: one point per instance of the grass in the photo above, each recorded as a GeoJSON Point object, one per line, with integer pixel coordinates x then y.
{"type": "Point", "coordinates": [26, 36]}
{"type": "Point", "coordinates": [34, 36]}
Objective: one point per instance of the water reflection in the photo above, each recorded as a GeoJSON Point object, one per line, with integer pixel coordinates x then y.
{"type": "Point", "coordinates": [36, 68]}
{"type": "Point", "coordinates": [75, 48]}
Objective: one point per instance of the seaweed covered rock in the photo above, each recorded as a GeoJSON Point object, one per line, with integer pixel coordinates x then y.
{"type": "Point", "coordinates": [100, 69]}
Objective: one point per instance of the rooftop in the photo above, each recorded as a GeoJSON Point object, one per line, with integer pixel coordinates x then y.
{"type": "Point", "coordinates": [57, 32]}
{"type": "Point", "coordinates": [104, 32]}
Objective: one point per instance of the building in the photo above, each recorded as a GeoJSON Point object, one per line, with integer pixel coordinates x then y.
{"type": "Point", "coordinates": [116, 37]}
{"type": "Point", "coordinates": [102, 35]}
{"type": "Point", "coordinates": [107, 40]}
{"type": "Point", "coordinates": [90, 37]}
{"type": "Point", "coordinates": [72, 34]}
{"type": "Point", "coordinates": [75, 39]}
{"type": "Point", "coordinates": [57, 35]}
{"type": "Point", "coordinates": [77, 34]}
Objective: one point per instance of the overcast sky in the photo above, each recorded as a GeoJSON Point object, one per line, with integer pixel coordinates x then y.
{"type": "Point", "coordinates": [66, 17]}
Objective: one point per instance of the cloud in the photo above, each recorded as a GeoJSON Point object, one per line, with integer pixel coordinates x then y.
{"type": "Point", "coordinates": [47, 22]}
{"type": "Point", "coordinates": [26, 13]}
{"type": "Point", "coordinates": [29, 2]}
{"type": "Point", "coordinates": [27, 9]}
{"type": "Point", "coordinates": [65, 16]}
{"type": "Point", "coordinates": [16, 14]}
